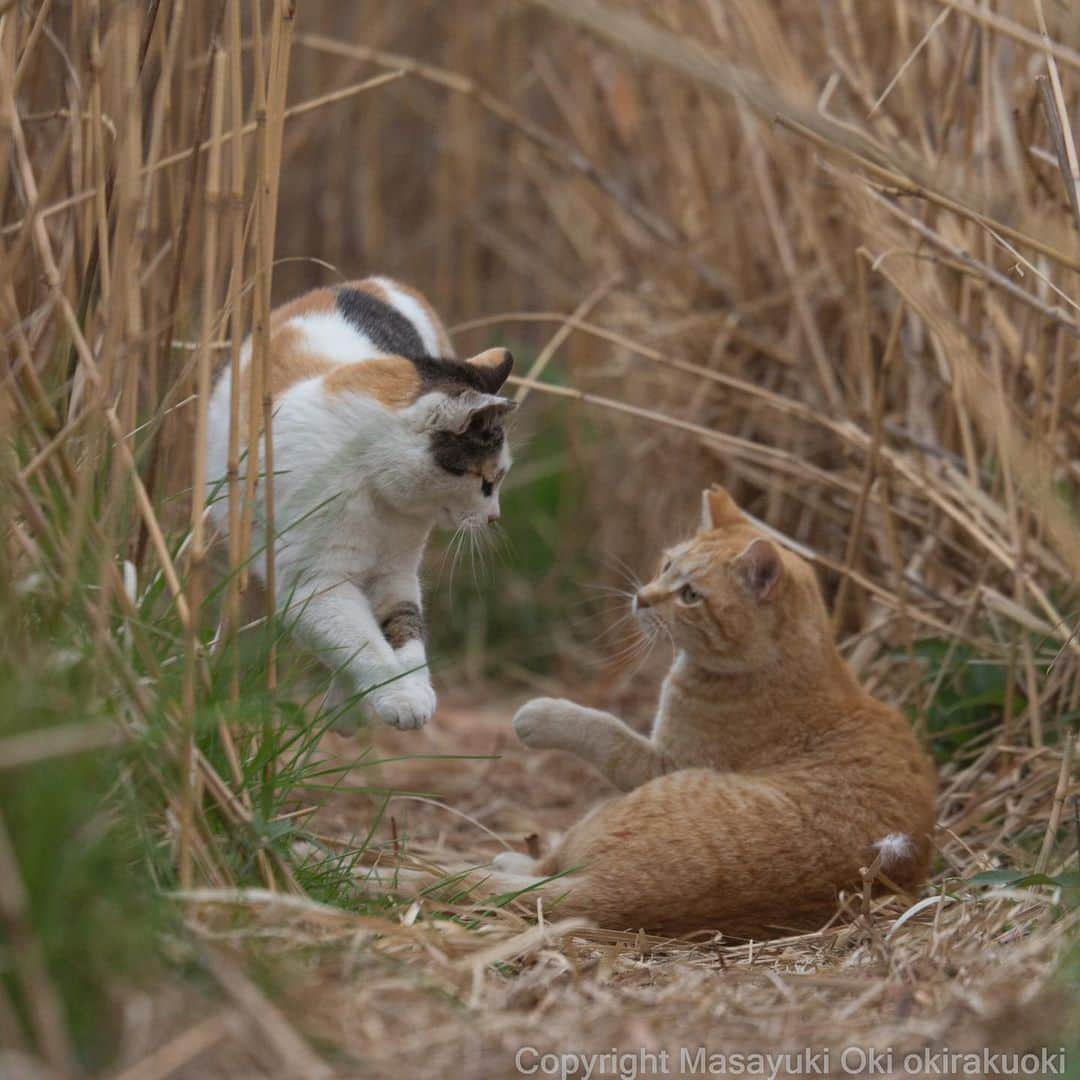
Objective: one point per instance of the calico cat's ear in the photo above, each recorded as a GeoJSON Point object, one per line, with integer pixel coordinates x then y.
{"type": "Point", "coordinates": [493, 366]}
{"type": "Point", "coordinates": [718, 509]}
{"type": "Point", "coordinates": [458, 414]}
{"type": "Point", "coordinates": [760, 567]}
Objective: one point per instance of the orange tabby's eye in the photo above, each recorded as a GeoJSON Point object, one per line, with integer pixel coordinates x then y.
{"type": "Point", "coordinates": [689, 595]}
{"type": "Point", "coordinates": [666, 567]}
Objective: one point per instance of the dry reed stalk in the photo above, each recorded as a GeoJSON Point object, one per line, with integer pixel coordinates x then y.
{"type": "Point", "coordinates": [1010, 28]}
{"type": "Point", "coordinates": [237, 329]}
{"type": "Point", "coordinates": [269, 107]}
{"type": "Point", "coordinates": [543, 358]}
{"type": "Point", "coordinates": [296, 1055]}
{"type": "Point", "coordinates": [191, 1043]}
{"type": "Point", "coordinates": [17, 751]}
{"type": "Point", "coordinates": [196, 584]}
{"type": "Point", "coordinates": [258, 331]}
{"type": "Point", "coordinates": [146, 509]}
{"type": "Point", "coordinates": [237, 557]}
{"type": "Point", "coordinates": [1065, 778]}
{"type": "Point", "coordinates": [559, 151]}
{"type": "Point", "coordinates": [92, 192]}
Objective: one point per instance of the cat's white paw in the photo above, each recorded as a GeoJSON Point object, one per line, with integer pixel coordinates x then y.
{"type": "Point", "coordinates": [405, 704]}
{"type": "Point", "coordinates": [514, 862]}
{"type": "Point", "coordinates": [537, 723]}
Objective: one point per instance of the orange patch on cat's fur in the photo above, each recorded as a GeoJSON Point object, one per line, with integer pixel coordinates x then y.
{"type": "Point", "coordinates": [392, 381]}
{"type": "Point", "coordinates": [489, 358]}
{"type": "Point", "coordinates": [289, 362]}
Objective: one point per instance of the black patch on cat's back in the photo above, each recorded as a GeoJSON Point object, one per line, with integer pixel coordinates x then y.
{"type": "Point", "coordinates": [384, 325]}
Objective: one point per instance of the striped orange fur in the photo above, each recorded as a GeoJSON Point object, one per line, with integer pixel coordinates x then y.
{"type": "Point", "coordinates": [770, 779]}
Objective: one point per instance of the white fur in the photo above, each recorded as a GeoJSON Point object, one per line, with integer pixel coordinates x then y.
{"type": "Point", "coordinates": [893, 848]}
{"type": "Point", "coordinates": [356, 493]}
{"type": "Point", "coordinates": [330, 336]}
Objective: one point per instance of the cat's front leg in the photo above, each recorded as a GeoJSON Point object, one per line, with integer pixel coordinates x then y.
{"type": "Point", "coordinates": [396, 602]}
{"type": "Point", "coordinates": [336, 619]}
{"type": "Point", "coordinates": [410, 699]}
{"type": "Point", "coordinates": [621, 754]}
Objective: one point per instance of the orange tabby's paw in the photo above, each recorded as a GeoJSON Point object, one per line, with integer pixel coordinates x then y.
{"type": "Point", "coordinates": [541, 724]}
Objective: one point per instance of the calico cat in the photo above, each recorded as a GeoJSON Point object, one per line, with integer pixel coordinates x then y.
{"type": "Point", "coordinates": [380, 433]}
{"type": "Point", "coordinates": [770, 777]}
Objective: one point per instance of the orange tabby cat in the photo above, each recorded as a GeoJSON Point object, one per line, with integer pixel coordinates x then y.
{"type": "Point", "coordinates": [770, 778]}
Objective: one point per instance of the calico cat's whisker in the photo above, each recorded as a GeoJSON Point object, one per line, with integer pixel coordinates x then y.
{"type": "Point", "coordinates": [457, 547]}
{"type": "Point", "coordinates": [479, 534]}
{"type": "Point", "coordinates": [488, 539]}
{"type": "Point", "coordinates": [447, 548]}
{"type": "Point", "coordinates": [476, 556]}
{"type": "Point", "coordinates": [496, 537]}
{"type": "Point", "coordinates": [498, 544]}
{"type": "Point", "coordinates": [461, 552]}
{"type": "Point", "coordinates": [502, 538]}
{"type": "Point", "coordinates": [446, 554]}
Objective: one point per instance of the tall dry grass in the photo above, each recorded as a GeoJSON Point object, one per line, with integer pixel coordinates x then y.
{"type": "Point", "coordinates": [826, 254]}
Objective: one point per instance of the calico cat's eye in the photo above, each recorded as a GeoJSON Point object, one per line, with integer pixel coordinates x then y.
{"type": "Point", "coordinates": [486, 488]}
{"type": "Point", "coordinates": [689, 595]}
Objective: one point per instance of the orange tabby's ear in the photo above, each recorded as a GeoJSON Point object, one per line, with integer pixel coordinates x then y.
{"type": "Point", "coordinates": [493, 366]}
{"type": "Point", "coordinates": [718, 509]}
{"type": "Point", "coordinates": [760, 567]}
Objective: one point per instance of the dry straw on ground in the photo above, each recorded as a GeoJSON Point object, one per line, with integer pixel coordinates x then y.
{"type": "Point", "coordinates": [827, 253]}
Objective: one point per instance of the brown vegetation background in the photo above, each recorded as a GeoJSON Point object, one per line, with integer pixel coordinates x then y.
{"type": "Point", "coordinates": [825, 253]}
{"type": "Point", "coordinates": [875, 368]}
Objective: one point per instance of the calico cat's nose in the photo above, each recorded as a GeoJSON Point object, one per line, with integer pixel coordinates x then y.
{"type": "Point", "coordinates": [492, 518]}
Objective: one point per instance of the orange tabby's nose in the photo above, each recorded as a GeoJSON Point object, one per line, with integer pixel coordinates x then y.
{"type": "Point", "coordinates": [641, 600]}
